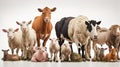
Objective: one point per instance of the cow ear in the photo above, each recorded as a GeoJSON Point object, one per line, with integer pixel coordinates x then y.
{"type": "Point", "coordinates": [40, 10]}
{"type": "Point", "coordinates": [18, 23]}
{"type": "Point", "coordinates": [98, 22]}
{"type": "Point", "coordinates": [87, 23]}
{"type": "Point", "coordinates": [16, 30]}
{"type": "Point", "coordinates": [29, 22]}
{"type": "Point", "coordinates": [53, 9]}
{"type": "Point", "coordinates": [4, 30]}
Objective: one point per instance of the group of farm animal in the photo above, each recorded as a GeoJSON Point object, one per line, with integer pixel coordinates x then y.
{"type": "Point", "coordinates": [79, 30]}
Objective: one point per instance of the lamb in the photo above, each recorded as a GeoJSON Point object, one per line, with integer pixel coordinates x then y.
{"type": "Point", "coordinates": [9, 57]}
{"type": "Point", "coordinates": [54, 49]}
{"type": "Point", "coordinates": [14, 39]}
{"type": "Point", "coordinates": [40, 55]}
{"type": "Point", "coordinates": [29, 37]}
{"type": "Point", "coordinates": [106, 36]}
{"type": "Point", "coordinates": [65, 52]}
{"type": "Point", "coordinates": [112, 55]}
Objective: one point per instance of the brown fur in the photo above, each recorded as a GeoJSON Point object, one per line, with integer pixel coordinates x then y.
{"type": "Point", "coordinates": [111, 56]}
{"type": "Point", "coordinates": [43, 29]}
{"type": "Point", "coordinates": [9, 57]}
{"type": "Point", "coordinates": [106, 36]}
{"type": "Point", "coordinates": [112, 36]}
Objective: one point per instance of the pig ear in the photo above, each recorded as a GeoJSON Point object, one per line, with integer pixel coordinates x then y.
{"type": "Point", "coordinates": [16, 30]}
{"type": "Point", "coordinates": [4, 30]}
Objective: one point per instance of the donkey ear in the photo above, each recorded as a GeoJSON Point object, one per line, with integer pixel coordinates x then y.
{"type": "Point", "coordinates": [40, 10]}
{"type": "Point", "coordinates": [4, 30]}
{"type": "Point", "coordinates": [53, 9]}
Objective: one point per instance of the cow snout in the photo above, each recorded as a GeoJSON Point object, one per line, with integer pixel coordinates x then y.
{"type": "Point", "coordinates": [95, 36]}
{"type": "Point", "coordinates": [46, 19]}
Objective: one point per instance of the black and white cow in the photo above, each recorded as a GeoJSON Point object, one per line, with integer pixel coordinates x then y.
{"type": "Point", "coordinates": [78, 30]}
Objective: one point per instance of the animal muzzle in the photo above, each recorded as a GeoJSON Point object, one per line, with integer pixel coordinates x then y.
{"type": "Point", "coordinates": [46, 19]}
{"type": "Point", "coordinates": [24, 29]}
{"type": "Point", "coordinates": [95, 37]}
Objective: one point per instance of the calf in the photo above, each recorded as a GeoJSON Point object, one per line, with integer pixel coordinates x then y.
{"type": "Point", "coordinates": [112, 55]}
{"type": "Point", "coordinates": [54, 49]}
{"type": "Point", "coordinates": [65, 52]}
{"type": "Point", "coordinates": [9, 57]}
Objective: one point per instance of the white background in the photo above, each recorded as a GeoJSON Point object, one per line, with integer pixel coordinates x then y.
{"type": "Point", "coordinates": [107, 11]}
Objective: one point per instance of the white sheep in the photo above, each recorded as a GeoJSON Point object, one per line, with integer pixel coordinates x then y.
{"type": "Point", "coordinates": [65, 52]}
{"type": "Point", "coordinates": [54, 49]}
{"type": "Point", "coordinates": [14, 39]}
{"type": "Point", "coordinates": [29, 37]}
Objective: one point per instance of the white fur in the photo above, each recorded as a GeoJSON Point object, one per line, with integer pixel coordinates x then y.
{"type": "Point", "coordinates": [54, 49]}
{"type": "Point", "coordinates": [28, 35]}
{"type": "Point", "coordinates": [15, 41]}
{"type": "Point", "coordinates": [65, 51]}
{"type": "Point", "coordinates": [78, 32]}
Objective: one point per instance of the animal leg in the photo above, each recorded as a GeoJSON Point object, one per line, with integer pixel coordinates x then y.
{"type": "Point", "coordinates": [71, 46]}
{"type": "Point", "coordinates": [56, 57]}
{"type": "Point", "coordinates": [51, 56]}
{"type": "Point", "coordinates": [94, 49]}
{"type": "Point", "coordinates": [86, 54]}
{"type": "Point", "coordinates": [45, 40]}
{"type": "Point", "coordinates": [69, 57]}
{"type": "Point", "coordinates": [62, 58]}
{"type": "Point", "coordinates": [17, 51]}
{"type": "Point", "coordinates": [60, 43]}
{"type": "Point", "coordinates": [12, 51]}
{"type": "Point", "coordinates": [38, 39]}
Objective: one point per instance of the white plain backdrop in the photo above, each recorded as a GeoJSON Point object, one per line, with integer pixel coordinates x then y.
{"type": "Point", "coordinates": [107, 11]}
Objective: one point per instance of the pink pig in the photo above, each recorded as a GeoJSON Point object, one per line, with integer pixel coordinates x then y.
{"type": "Point", "coordinates": [40, 55]}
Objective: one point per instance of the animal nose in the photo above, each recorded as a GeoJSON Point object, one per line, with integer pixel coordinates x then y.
{"type": "Point", "coordinates": [95, 36]}
{"type": "Point", "coordinates": [46, 19]}
{"type": "Point", "coordinates": [24, 29]}
{"type": "Point", "coordinates": [10, 37]}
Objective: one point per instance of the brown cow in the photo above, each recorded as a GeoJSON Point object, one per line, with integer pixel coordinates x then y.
{"type": "Point", "coordinates": [42, 25]}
